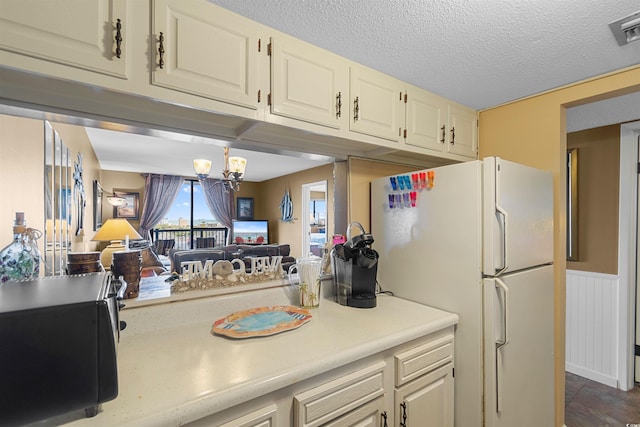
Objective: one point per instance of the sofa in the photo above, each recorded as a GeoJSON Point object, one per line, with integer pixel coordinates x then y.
{"type": "Point", "coordinates": [230, 252]}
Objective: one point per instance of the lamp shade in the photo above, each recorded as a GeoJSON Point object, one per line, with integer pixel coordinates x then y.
{"type": "Point", "coordinates": [116, 229]}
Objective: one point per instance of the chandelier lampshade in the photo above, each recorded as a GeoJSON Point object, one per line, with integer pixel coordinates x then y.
{"type": "Point", "coordinates": [232, 175]}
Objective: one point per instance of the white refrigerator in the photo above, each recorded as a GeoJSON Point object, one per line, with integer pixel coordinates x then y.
{"type": "Point", "coordinates": [476, 239]}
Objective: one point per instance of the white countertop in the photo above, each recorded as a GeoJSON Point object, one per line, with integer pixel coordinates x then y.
{"type": "Point", "coordinates": [173, 370]}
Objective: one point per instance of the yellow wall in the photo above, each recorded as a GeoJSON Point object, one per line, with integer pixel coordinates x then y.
{"type": "Point", "coordinates": [532, 131]}
{"type": "Point", "coordinates": [21, 174]}
{"type": "Point", "coordinates": [361, 173]}
{"type": "Point", "coordinates": [270, 195]}
{"type": "Point", "coordinates": [129, 182]}
{"type": "Point", "coordinates": [598, 190]}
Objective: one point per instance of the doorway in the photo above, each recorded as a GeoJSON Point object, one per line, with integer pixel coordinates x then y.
{"type": "Point", "coordinates": [314, 215]}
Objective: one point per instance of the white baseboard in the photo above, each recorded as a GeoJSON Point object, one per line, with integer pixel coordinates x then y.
{"type": "Point", "coordinates": [592, 375]}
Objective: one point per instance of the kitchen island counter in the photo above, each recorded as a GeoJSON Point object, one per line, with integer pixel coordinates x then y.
{"type": "Point", "coordinates": [173, 370]}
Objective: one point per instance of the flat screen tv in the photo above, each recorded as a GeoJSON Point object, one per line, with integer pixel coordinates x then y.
{"type": "Point", "coordinates": [252, 232]}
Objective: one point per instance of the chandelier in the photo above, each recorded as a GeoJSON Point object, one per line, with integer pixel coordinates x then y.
{"type": "Point", "coordinates": [231, 175]}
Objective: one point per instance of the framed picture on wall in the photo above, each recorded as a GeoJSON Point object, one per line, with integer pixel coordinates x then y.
{"type": "Point", "coordinates": [129, 210]}
{"type": "Point", "coordinates": [97, 205]}
{"type": "Point", "coordinates": [244, 208]}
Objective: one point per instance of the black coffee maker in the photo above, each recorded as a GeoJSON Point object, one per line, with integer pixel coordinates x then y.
{"type": "Point", "coordinates": [355, 267]}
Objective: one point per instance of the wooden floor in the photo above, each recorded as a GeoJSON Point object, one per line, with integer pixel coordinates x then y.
{"type": "Point", "coordinates": [591, 404]}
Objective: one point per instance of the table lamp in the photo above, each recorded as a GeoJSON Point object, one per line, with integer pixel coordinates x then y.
{"type": "Point", "coordinates": [115, 230]}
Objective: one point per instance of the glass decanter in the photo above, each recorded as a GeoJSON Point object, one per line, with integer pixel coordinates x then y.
{"type": "Point", "coordinates": [21, 258]}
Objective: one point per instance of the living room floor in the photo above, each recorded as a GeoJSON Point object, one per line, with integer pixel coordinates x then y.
{"type": "Point", "coordinates": [591, 404]}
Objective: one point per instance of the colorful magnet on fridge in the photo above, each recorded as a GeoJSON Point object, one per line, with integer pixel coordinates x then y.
{"type": "Point", "coordinates": [407, 181]}
{"type": "Point", "coordinates": [406, 200]}
{"type": "Point", "coordinates": [430, 178]}
{"type": "Point", "coordinates": [415, 179]}
{"type": "Point", "coordinates": [423, 180]}
{"type": "Point", "coordinates": [401, 182]}
{"type": "Point", "coordinates": [392, 200]}
{"type": "Point", "coordinates": [394, 184]}
{"type": "Point", "coordinates": [413, 196]}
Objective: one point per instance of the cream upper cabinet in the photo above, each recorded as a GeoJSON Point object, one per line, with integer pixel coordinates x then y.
{"type": "Point", "coordinates": [376, 104]}
{"type": "Point", "coordinates": [308, 83]}
{"type": "Point", "coordinates": [462, 135]}
{"type": "Point", "coordinates": [426, 120]}
{"type": "Point", "coordinates": [436, 124]}
{"type": "Point", "coordinates": [89, 34]}
{"type": "Point", "coordinates": [206, 51]}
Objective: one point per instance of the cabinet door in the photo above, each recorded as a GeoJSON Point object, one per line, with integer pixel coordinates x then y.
{"type": "Point", "coordinates": [81, 34]}
{"type": "Point", "coordinates": [376, 104]}
{"type": "Point", "coordinates": [208, 52]}
{"type": "Point", "coordinates": [368, 415]}
{"type": "Point", "coordinates": [427, 401]}
{"type": "Point", "coordinates": [263, 417]}
{"type": "Point", "coordinates": [308, 83]}
{"type": "Point", "coordinates": [463, 132]}
{"type": "Point", "coordinates": [426, 121]}
{"type": "Point", "coordinates": [334, 399]}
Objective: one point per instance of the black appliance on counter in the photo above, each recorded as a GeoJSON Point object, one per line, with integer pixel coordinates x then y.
{"type": "Point", "coordinates": [355, 267]}
{"type": "Point", "coordinates": [58, 342]}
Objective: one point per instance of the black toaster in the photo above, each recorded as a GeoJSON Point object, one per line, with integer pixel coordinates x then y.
{"type": "Point", "coordinates": [58, 346]}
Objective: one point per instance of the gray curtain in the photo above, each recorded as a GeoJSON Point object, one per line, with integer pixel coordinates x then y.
{"type": "Point", "coordinates": [219, 199]}
{"type": "Point", "coordinates": [159, 193]}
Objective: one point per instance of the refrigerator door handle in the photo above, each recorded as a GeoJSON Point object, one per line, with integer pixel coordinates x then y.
{"type": "Point", "coordinates": [505, 313]}
{"type": "Point", "coordinates": [501, 343]}
{"type": "Point", "coordinates": [505, 263]}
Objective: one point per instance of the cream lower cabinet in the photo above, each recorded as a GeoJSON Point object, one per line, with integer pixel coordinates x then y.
{"type": "Point", "coordinates": [308, 83]}
{"type": "Point", "coordinates": [264, 416]}
{"type": "Point", "coordinates": [408, 385]}
{"type": "Point", "coordinates": [90, 35]}
{"type": "Point", "coordinates": [427, 401]}
{"type": "Point", "coordinates": [424, 384]}
{"type": "Point", "coordinates": [370, 414]}
{"type": "Point", "coordinates": [332, 403]}
{"type": "Point", "coordinates": [205, 51]}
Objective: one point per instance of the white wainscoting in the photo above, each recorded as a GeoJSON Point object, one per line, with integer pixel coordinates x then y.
{"type": "Point", "coordinates": [592, 326]}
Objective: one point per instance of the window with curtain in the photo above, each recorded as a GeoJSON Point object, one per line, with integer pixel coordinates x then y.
{"type": "Point", "coordinates": [189, 220]}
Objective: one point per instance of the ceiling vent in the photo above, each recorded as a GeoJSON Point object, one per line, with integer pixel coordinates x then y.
{"type": "Point", "coordinates": [627, 29]}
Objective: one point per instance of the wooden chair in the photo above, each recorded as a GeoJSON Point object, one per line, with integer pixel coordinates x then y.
{"type": "Point", "coordinates": [162, 247]}
{"type": "Point", "coordinates": [205, 242]}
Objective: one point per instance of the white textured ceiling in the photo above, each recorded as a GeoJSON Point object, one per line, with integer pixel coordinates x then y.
{"type": "Point", "coordinates": [480, 53]}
